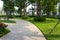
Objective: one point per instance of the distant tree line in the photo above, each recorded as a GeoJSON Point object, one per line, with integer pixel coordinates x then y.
{"type": "Point", "coordinates": [47, 6]}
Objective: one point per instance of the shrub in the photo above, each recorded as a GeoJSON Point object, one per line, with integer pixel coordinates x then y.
{"type": "Point", "coordinates": [3, 29]}
{"type": "Point", "coordinates": [58, 17]}
{"type": "Point", "coordinates": [2, 15]}
{"type": "Point", "coordinates": [11, 16]}
{"type": "Point", "coordinates": [25, 17]}
{"type": "Point", "coordinates": [40, 19]}
{"type": "Point", "coordinates": [55, 17]}
{"type": "Point", "coordinates": [2, 26]}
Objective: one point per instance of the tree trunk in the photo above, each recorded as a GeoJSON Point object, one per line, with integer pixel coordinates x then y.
{"type": "Point", "coordinates": [21, 13]}
{"type": "Point", "coordinates": [10, 13]}
{"type": "Point", "coordinates": [7, 15]}
{"type": "Point", "coordinates": [33, 12]}
{"type": "Point", "coordinates": [13, 14]}
{"type": "Point", "coordinates": [25, 14]}
{"type": "Point", "coordinates": [38, 8]}
{"type": "Point", "coordinates": [48, 14]}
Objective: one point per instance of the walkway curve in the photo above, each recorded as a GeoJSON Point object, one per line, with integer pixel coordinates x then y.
{"type": "Point", "coordinates": [23, 30]}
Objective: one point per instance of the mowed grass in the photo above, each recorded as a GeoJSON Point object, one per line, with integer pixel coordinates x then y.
{"type": "Point", "coordinates": [46, 27]}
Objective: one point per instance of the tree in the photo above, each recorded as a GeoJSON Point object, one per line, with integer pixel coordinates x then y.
{"type": "Point", "coordinates": [38, 8]}
{"type": "Point", "coordinates": [49, 5]}
{"type": "Point", "coordinates": [20, 11]}
{"type": "Point", "coordinates": [8, 7]}
{"type": "Point", "coordinates": [22, 5]}
{"type": "Point", "coordinates": [59, 9]}
{"type": "Point", "coordinates": [33, 12]}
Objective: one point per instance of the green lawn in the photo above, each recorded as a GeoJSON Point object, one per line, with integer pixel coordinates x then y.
{"type": "Point", "coordinates": [46, 26]}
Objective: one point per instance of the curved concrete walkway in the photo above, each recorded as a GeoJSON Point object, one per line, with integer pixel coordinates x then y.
{"type": "Point", "coordinates": [23, 30]}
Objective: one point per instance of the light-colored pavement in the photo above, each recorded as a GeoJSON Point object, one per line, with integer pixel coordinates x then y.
{"type": "Point", "coordinates": [23, 30]}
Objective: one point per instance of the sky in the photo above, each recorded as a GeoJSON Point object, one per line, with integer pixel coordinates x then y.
{"type": "Point", "coordinates": [1, 5]}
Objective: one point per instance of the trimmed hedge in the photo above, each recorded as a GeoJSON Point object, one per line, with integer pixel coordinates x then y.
{"type": "Point", "coordinates": [40, 19]}
{"type": "Point", "coordinates": [25, 17]}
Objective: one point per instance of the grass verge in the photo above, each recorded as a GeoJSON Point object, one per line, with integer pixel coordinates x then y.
{"type": "Point", "coordinates": [8, 21]}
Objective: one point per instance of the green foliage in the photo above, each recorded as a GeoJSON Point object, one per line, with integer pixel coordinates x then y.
{"type": "Point", "coordinates": [2, 26]}
{"type": "Point", "coordinates": [2, 16]}
{"type": "Point", "coordinates": [55, 17]}
{"type": "Point", "coordinates": [3, 29]}
{"type": "Point", "coordinates": [2, 33]}
{"type": "Point", "coordinates": [11, 16]}
{"type": "Point", "coordinates": [8, 21]}
{"type": "Point", "coordinates": [40, 19]}
{"type": "Point", "coordinates": [32, 1]}
{"type": "Point", "coordinates": [20, 3]}
{"type": "Point", "coordinates": [20, 11]}
{"type": "Point", "coordinates": [8, 5]}
{"type": "Point", "coordinates": [25, 17]}
{"type": "Point", "coordinates": [49, 6]}
{"type": "Point", "coordinates": [59, 9]}
{"type": "Point", "coordinates": [46, 5]}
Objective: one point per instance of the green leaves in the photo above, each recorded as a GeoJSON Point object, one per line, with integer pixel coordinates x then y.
{"type": "Point", "coordinates": [8, 5]}
{"type": "Point", "coordinates": [32, 1]}
{"type": "Point", "coordinates": [45, 5]}
{"type": "Point", "coordinates": [49, 5]}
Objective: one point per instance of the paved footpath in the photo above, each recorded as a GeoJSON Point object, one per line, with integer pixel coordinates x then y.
{"type": "Point", "coordinates": [23, 30]}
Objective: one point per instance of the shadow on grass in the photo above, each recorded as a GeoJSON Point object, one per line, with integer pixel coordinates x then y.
{"type": "Point", "coordinates": [47, 21]}
{"type": "Point", "coordinates": [50, 20]}
{"type": "Point", "coordinates": [53, 35]}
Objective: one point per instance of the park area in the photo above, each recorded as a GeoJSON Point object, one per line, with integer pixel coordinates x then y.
{"type": "Point", "coordinates": [29, 19]}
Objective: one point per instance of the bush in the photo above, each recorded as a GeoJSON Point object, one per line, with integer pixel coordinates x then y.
{"type": "Point", "coordinates": [2, 33]}
{"type": "Point", "coordinates": [3, 29]}
{"type": "Point", "coordinates": [3, 26]}
{"type": "Point", "coordinates": [40, 19]}
{"type": "Point", "coordinates": [58, 17]}
{"type": "Point", "coordinates": [55, 17]}
{"type": "Point", "coordinates": [2, 15]}
{"type": "Point", "coordinates": [8, 21]}
{"type": "Point", "coordinates": [25, 17]}
{"type": "Point", "coordinates": [11, 16]}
